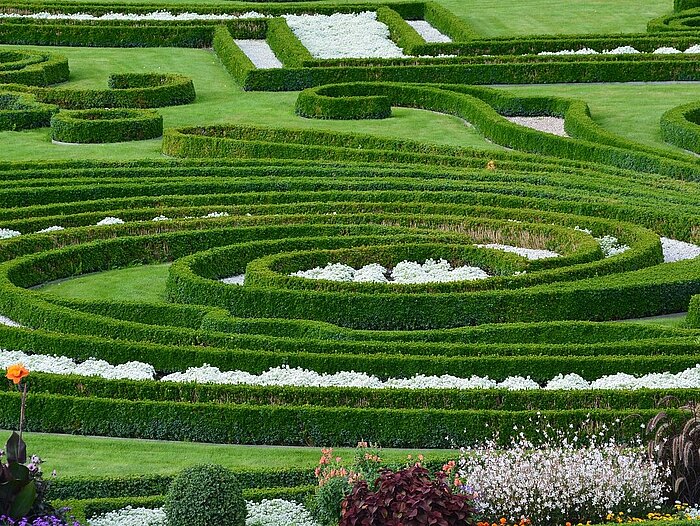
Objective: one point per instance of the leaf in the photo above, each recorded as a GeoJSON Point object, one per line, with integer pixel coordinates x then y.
{"type": "Point", "coordinates": [24, 501]}
{"type": "Point", "coordinates": [19, 472]}
{"type": "Point", "coordinates": [16, 449]}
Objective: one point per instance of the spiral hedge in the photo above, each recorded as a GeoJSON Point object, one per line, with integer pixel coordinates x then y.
{"type": "Point", "coordinates": [681, 126]}
{"type": "Point", "coordinates": [295, 199]}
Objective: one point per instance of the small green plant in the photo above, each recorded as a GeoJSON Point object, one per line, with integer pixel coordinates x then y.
{"type": "Point", "coordinates": [205, 495]}
{"type": "Point", "coordinates": [329, 498]}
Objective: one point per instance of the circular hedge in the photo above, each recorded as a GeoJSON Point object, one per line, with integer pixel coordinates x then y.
{"type": "Point", "coordinates": [681, 126]}
{"type": "Point", "coordinates": [103, 126]}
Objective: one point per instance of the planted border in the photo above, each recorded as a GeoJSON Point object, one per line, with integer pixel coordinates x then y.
{"type": "Point", "coordinates": [104, 126]}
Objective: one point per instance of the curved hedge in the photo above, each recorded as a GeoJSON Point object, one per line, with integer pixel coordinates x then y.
{"type": "Point", "coordinates": [21, 111]}
{"type": "Point", "coordinates": [681, 126]}
{"type": "Point", "coordinates": [32, 68]}
{"type": "Point", "coordinates": [103, 126]}
{"type": "Point", "coordinates": [127, 90]}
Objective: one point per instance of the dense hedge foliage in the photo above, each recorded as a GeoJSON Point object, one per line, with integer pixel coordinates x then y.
{"type": "Point", "coordinates": [32, 68]}
{"type": "Point", "coordinates": [126, 90]}
{"type": "Point", "coordinates": [681, 126]}
{"type": "Point", "coordinates": [20, 111]}
{"type": "Point", "coordinates": [103, 126]}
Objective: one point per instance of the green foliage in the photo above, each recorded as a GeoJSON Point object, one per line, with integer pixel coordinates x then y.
{"type": "Point", "coordinates": [127, 90]}
{"type": "Point", "coordinates": [102, 126]}
{"type": "Point", "coordinates": [328, 499]}
{"type": "Point", "coordinates": [32, 68]}
{"type": "Point", "coordinates": [203, 495]}
{"type": "Point", "coordinates": [681, 126]}
{"type": "Point", "coordinates": [20, 111]}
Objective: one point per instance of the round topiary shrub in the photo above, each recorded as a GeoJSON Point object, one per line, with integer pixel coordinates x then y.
{"type": "Point", "coordinates": [205, 495]}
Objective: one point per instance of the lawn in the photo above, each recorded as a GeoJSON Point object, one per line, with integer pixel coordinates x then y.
{"type": "Point", "coordinates": [73, 456]}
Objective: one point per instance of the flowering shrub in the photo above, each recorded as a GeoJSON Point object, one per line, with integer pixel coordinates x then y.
{"type": "Point", "coordinates": [559, 481]}
{"type": "Point", "coordinates": [408, 497]}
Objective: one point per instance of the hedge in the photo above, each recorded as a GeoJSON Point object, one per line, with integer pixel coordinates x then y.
{"type": "Point", "coordinates": [681, 126]}
{"type": "Point", "coordinates": [289, 425]}
{"type": "Point", "coordinates": [103, 126]}
{"type": "Point", "coordinates": [33, 68]}
{"type": "Point", "coordinates": [21, 111]}
{"type": "Point", "coordinates": [127, 90]}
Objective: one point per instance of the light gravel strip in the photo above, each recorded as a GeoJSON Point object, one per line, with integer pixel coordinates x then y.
{"type": "Point", "coordinates": [546, 124]}
{"type": "Point", "coordinates": [260, 53]}
{"type": "Point", "coordinates": [428, 31]}
{"type": "Point", "coordinates": [4, 320]}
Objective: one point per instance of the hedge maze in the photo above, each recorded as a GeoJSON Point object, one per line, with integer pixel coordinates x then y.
{"type": "Point", "coordinates": [287, 199]}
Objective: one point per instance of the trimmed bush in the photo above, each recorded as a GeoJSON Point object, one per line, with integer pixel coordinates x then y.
{"type": "Point", "coordinates": [681, 126]}
{"type": "Point", "coordinates": [203, 495]}
{"type": "Point", "coordinates": [103, 126]}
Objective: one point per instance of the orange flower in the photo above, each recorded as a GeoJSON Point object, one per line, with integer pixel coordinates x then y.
{"type": "Point", "coordinates": [16, 372]}
{"type": "Point", "coordinates": [503, 520]}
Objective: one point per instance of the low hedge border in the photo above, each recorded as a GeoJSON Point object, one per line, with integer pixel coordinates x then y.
{"type": "Point", "coordinates": [680, 126]}
{"type": "Point", "coordinates": [353, 397]}
{"type": "Point", "coordinates": [105, 126]}
{"type": "Point", "coordinates": [291, 425]}
{"type": "Point", "coordinates": [35, 68]}
{"type": "Point", "coordinates": [683, 21]}
{"type": "Point", "coordinates": [21, 111]}
{"type": "Point", "coordinates": [127, 90]}
{"type": "Point", "coordinates": [285, 45]}
{"type": "Point", "coordinates": [231, 56]}
{"type": "Point", "coordinates": [482, 107]}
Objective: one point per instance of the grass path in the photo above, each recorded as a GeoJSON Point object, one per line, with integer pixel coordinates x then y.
{"type": "Point", "coordinates": [73, 455]}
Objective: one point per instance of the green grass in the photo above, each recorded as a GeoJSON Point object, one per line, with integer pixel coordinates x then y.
{"type": "Point", "coordinates": [631, 110]}
{"type": "Point", "coordinates": [667, 320]}
{"type": "Point", "coordinates": [72, 455]}
{"type": "Point", "coordinates": [144, 283]}
{"type": "Point", "coordinates": [219, 100]}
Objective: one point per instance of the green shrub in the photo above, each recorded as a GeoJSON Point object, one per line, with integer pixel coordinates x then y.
{"type": "Point", "coordinates": [205, 495]}
{"type": "Point", "coordinates": [105, 126]}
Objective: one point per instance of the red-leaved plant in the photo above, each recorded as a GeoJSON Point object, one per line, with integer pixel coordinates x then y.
{"type": "Point", "coordinates": [408, 497]}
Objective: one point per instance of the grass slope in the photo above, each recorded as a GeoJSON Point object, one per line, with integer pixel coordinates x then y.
{"type": "Point", "coordinates": [73, 456]}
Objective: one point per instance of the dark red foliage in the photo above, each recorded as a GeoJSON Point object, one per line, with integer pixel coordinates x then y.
{"type": "Point", "coordinates": [409, 497]}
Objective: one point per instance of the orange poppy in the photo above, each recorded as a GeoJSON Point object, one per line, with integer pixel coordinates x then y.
{"type": "Point", "coordinates": [16, 372]}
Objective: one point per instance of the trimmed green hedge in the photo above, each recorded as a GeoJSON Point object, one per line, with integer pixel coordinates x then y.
{"type": "Point", "coordinates": [21, 111]}
{"type": "Point", "coordinates": [234, 60]}
{"type": "Point", "coordinates": [290, 425]}
{"type": "Point", "coordinates": [127, 90]}
{"type": "Point", "coordinates": [104, 126]}
{"type": "Point", "coordinates": [32, 68]}
{"type": "Point", "coordinates": [681, 126]}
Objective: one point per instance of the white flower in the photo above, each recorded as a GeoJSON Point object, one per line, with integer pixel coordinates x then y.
{"type": "Point", "coordinates": [6, 233]}
{"type": "Point", "coordinates": [54, 228]}
{"type": "Point", "coordinates": [110, 221]}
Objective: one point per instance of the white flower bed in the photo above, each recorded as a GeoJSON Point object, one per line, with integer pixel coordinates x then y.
{"type": "Point", "coordinates": [130, 517]}
{"type": "Point", "coordinates": [278, 512]}
{"type": "Point", "coordinates": [260, 53]}
{"type": "Point", "coordinates": [54, 228]}
{"type": "Point", "coordinates": [63, 365]}
{"type": "Point", "coordinates": [405, 272]}
{"type": "Point", "coordinates": [234, 280]}
{"type": "Point", "coordinates": [427, 31]}
{"type": "Point", "coordinates": [529, 253]}
{"type": "Point", "coordinates": [160, 218]}
{"type": "Point", "coordinates": [344, 35]}
{"type": "Point", "coordinates": [214, 215]}
{"type": "Point", "coordinates": [560, 481]}
{"type": "Point", "coordinates": [274, 512]}
{"type": "Point", "coordinates": [162, 16]}
{"type": "Point", "coordinates": [287, 376]}
{"type": "Point", "coordinates": [109, 220]}
{"type": "Point", "coordinates": [678, 250]}
{"type": "Point", "coordinates": [610, 245]}
{"type": "Point", "coordinates": [6, 233]}
{"type": "Point", "coordinates": [622, 50]}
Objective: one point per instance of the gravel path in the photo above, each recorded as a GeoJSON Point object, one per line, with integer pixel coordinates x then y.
{"type": "Point", "coordinates": [427, 31]}
{"type": "Point", "coordinates": [260, 53]}
{"type": "Point", "coordinates": [553, 125]}
{"type": "Point", "coordinates": [7, 321]}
